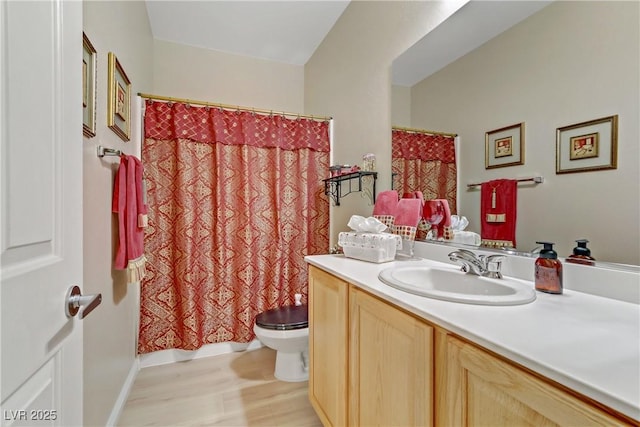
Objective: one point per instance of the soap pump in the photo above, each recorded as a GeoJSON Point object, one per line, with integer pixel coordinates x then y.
{"type": "Point", "coordinates": [548, 270]}
{"type": "Point", "coordinates": [581, 254]}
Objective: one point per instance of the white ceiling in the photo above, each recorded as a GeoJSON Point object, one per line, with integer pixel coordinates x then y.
{"type": "Point", "coordinates": [290, 31]}
{"type": "Point", "coordinates": [469, 27]}
{"type": "Point", "coordinates": [283, 31]}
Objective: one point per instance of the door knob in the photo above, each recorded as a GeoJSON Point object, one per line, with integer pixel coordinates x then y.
{"type": "Point", "coordinates": [75, 300]}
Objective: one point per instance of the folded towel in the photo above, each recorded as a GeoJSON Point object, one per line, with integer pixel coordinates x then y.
{"type": "Point", "coordinates": [498, 204]}
{"type": "Point", "coordinates": [386, 203]}
{"type": "Point", "coordinates": [409, 212]}
{"type": "Point", "coordinates": [385, 208]}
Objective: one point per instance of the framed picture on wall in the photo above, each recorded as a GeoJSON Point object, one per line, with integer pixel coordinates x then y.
{"type": "Point", "coordinates": [504, 147]}
{"type": "Point", "coordinates": [88, 88]}
{"type": "Point", "coordinates": [587, 146]}
{"type": "Point", "coordinates": [119, 102]}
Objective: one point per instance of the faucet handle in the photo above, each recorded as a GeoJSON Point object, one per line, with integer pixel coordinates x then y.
{"type": "Point", "coordinates": [493, 264]}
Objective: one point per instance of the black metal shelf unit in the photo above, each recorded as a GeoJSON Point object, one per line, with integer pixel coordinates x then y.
{"type": "Point", "coordinates": [333, 186]}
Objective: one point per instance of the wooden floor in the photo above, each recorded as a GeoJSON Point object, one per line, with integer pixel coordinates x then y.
{"type": "Point", "coordinates": [236, 389]}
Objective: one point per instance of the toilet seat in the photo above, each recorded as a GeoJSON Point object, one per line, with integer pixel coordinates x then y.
{"type": "Point", "coordinates": [284, 318]}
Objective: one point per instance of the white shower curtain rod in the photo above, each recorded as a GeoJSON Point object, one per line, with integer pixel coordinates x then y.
{"type": "Point", "coordinates": [231, 107]}
{"type": "Point", "coordinates": [430, 132]}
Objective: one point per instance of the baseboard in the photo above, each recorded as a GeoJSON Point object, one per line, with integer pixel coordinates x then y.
{"type": "Point", "coordinates": [121, 401]}
{"type": "Point", "coordinates": [164, 357]}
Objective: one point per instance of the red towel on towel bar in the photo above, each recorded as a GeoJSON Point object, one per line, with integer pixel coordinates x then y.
{"type": "Point", "coordinates": [498, 206]}
{"type": "Point", "coordinates": [129, 204]}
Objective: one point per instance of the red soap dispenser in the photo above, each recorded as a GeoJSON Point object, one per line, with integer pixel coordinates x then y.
{"type": "Point", "coordinates": [548, 270]}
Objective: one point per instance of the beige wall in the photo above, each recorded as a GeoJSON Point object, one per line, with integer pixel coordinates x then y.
{"type": "Point", "coordinates": [571, 62]}
{"type": "Point", "coordinates": [225, 78]}
{"type": "Point", "coordinates": [401, 106]}
{"type": "Point", "coordinates": [348, 77]}
{"type": "Point", "coordinates": [110, 332]}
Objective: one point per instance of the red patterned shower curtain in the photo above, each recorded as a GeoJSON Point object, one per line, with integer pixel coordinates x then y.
{"type": "Point", "coordinates": [425, 162]}
{"type": "Point", "coordinates": [235, 203]}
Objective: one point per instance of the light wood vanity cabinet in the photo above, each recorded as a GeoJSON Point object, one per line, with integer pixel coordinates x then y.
{"type": "Point", "coordinates": [390, 365]}
{"type": "Point", "coordinates": [328, 313]}
{"type": "Point", "coordinates": [372, 363]}
{"type": "Point", "coordinates": [477, 388]}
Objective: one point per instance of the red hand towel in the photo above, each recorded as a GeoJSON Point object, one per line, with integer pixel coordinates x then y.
{"type": "Point", "coordinates": [129, 204]}
{"type": "Point", "coordinates": [386, 203]}
{"type": "Point", "coordinates": [385, 208]}
{"type": "Point", "coordinates": [498, 206]}
{"type": "Point", "coordinates": [409, 212]}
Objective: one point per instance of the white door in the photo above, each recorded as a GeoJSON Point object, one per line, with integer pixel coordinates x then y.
{"type": "Point", "coordinates": [41, 211]}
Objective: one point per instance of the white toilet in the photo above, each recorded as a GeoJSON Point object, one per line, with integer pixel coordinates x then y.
{"type": "Point", "coordinates": [286, 330]}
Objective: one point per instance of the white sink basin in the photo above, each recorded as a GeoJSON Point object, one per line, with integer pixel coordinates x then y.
{"type": "Point", "coordinates": [451, 284]}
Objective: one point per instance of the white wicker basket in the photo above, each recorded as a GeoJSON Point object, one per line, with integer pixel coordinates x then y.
{"type": "Point", "coordinates": [372, 247]}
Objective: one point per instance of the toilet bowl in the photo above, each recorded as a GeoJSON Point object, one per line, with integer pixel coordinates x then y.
{"type": "Point", "coordinates": [286, 330]}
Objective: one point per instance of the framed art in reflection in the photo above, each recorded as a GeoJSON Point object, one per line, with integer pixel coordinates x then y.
{"type": "Point", "coordinates": [587, 146]}
{"type": "Point", "coordinates": [504, 147]}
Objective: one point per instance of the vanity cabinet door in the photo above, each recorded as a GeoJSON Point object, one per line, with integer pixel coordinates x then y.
{"type": "Point", "coordinates": [328, 334]}
{"type": "Point", "coordinates": [390, 365]}
{"type": "Point", "coordinates": [482, 390]}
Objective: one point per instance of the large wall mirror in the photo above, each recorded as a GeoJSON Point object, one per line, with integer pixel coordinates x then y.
{"type": "Point", "coordinates": [545, 65]}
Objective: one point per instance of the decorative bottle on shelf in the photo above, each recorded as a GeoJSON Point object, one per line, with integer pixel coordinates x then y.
{"type": "Point", "coordinates": [581, 254]}
{"type": "Point", "coordinates": [369, 162]}
{"type": "Point", "coordinates": [548, 270]}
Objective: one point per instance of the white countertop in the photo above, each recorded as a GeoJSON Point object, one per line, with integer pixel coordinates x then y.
{"type": "Point", "coordinates": [588, 343]}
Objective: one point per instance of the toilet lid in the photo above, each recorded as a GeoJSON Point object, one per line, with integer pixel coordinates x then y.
{"type": "Point", "coordinates": [284, 318]}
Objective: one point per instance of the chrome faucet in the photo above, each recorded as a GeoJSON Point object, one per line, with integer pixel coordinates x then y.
{"type": "Point", "coordinates": [470, 262]}
{"type": "Point", "coordinates": [480, 265]}
{"type": "Point", "coordinates": [493, 264]}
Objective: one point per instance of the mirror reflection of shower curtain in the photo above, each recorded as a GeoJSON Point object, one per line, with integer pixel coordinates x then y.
{"type": "Point", "coordinates": [235, 203]}
{"type": "Point", "coordinates": [425, 162]}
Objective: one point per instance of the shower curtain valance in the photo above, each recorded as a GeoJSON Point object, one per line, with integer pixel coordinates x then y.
{"type": "Point", "coordinates": [211, 125]}
{"type": "Point", "coordinates": [425, 147]}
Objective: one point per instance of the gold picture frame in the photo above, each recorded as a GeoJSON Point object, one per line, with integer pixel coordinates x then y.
{"type": "Point", "coordinates": [587, 146]}
{"type": "Point", "coordinates": [504, 147]}
{"type": "Point", "coordinates": [89, 72]}
{"type": "Point", "coordinates": [119, 102]}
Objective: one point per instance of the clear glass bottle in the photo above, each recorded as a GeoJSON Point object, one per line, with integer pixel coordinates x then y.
{"type": "Point", "coordinates": [369, 162]}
